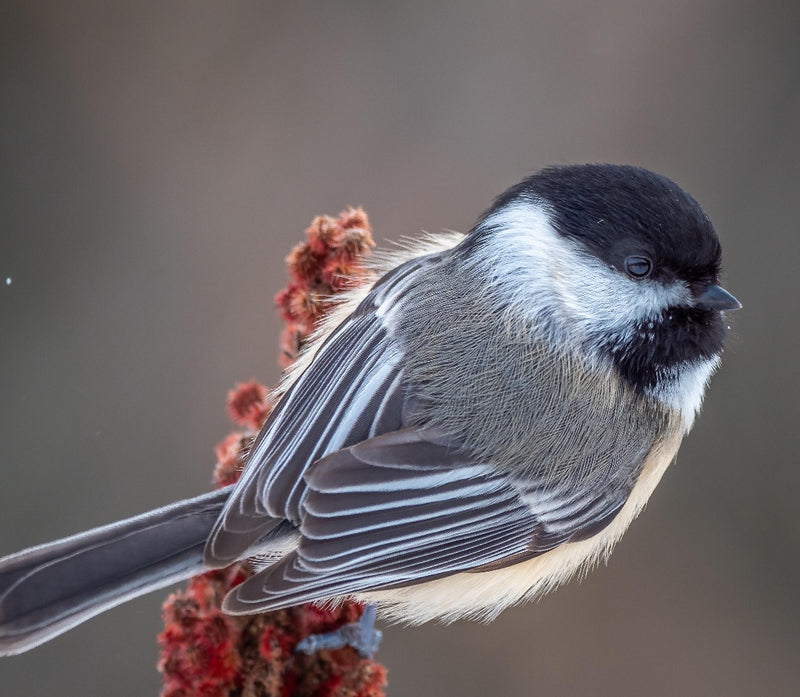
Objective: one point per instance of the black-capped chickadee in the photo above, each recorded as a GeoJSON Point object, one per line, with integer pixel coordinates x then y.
{"type": "Point", "coordinates": [483, 422]}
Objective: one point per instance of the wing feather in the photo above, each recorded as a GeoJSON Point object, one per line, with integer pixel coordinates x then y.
{"type": "Point", "coordinates": [382, 512]}
{"type": "Point", "coordinates": [405, 508]}
{"type": "Point", "coordinates": [353, 390]}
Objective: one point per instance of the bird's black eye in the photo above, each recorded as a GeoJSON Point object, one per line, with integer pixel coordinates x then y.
{"type": "Point", "coordinates": [638, 266]}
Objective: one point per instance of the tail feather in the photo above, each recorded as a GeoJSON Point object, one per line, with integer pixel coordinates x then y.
{"type": "Point", "coordinates": [49, 589]}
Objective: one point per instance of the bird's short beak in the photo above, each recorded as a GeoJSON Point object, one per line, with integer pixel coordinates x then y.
{"type": "Point", "coordinates": [716, 297]}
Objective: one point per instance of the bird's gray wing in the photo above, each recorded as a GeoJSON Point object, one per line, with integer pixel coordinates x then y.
{"type": "Point", "coordinates": [407, 507]}
{"type": "Point", "coordinates": [353, 390]}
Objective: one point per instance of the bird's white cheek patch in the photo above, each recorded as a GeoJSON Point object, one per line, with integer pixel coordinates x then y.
{"type": "Point", "coordinates": [549, 276]}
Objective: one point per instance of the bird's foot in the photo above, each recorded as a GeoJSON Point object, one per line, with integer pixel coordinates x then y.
{"type": "Point", "coordinates": [361, 635]}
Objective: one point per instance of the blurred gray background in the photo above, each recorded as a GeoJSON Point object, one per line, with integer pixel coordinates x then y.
{"type": "Point", "coordinates": [160, 159]}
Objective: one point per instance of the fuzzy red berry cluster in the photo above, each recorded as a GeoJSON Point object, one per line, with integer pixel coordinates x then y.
{"type": "Point", "coordinates": [328, 262]}
{"type": "Point", "coordinates": [205, 653]}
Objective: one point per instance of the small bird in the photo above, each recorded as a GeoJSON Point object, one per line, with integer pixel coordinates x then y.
{"type": "Point", "coordinates": [483, 422]}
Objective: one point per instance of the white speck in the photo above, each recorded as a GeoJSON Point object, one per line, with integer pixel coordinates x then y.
{"type": "Point", "coordinates": [8, 280]}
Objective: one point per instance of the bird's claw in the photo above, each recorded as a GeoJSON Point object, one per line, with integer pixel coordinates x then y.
{"type": "Point", "coordinates": [361, 635]}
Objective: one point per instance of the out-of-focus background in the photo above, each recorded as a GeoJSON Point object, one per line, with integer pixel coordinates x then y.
{"type": "Point", "coordinates": [160, 159]}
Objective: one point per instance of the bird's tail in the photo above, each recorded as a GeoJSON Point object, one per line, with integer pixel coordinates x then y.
{"type": "Point", "coordinates": [49, 589]}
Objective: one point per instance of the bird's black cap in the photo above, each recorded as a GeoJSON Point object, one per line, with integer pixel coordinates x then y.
{"type": "Point", "coordinates": [620, 210]}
